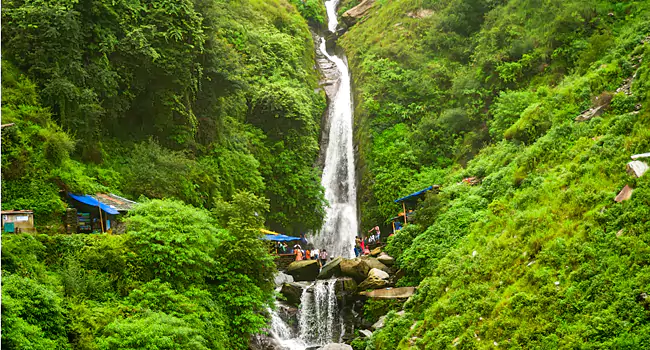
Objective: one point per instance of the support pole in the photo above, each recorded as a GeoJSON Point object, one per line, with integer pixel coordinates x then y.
{"type": "Point", "coordinates": [99, 206]}
{"type": "Point", "coordinates": [404, 208]}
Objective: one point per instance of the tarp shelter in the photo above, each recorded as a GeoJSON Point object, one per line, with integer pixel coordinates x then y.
{"type": "Point", "coordinates": [415, 195]}
{"type": "Point", "coordinates": [96, 213]}
{"type": "Point", "coordinates": [280, 238]}
{"type": "Point", "coordinates": [411, 198]}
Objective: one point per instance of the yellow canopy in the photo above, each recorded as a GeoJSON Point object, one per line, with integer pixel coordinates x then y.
{"type": "Point", "coordinates": [269, 232]}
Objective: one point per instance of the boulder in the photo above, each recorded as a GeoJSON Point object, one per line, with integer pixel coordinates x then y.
{"type": "Point", "coordinates": [378, 273]}
{"type": "Point", "coordinates": [303, 270]}
{"type": "Point", "coordinates": [351, 16]}
{"type": "Point", "coordinates": [386, 259]}
{"type": "Point", "coordinates": [390, 293]}
{"type": "Point", "coordinates": [637, 168]}
{"type": "Point", "coordinates": [282, 278]}
{"type": "Point", "coordinates": [292, 291]}
{"type": "Point", "coordinates": [366, 333]}
{"type": "Point", "coordinates": [330, 269]}
{"type": "Point", "coordinates": [355, 268]}
{"type": "Point", "coordinates": [625, 194]}
{"type": "Point", "coordinates": [380, 323]}
{"type": "Point", "coordinates": [345, 289]}
{"type": "Point", "coordinates": [372, 282]}
{"type": "Point", "coordinates": [336, 346]}
{"type": "Point", "coordinates": [375, 251]}
{"type": "Point", "coordinates": [374, 263]}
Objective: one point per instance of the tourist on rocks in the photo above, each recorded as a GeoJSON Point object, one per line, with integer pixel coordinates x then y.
{"type": "Point", "coordinates": [307, 255]}
{"type": "Point", "coordinates": [357, 246]}
{"type": "Point", "coordinates": [363, 245]}
{"type": "Point", "coordinates": [323, 257]}
{"type": "Point", "coordinates": [314, 254]}
{"type": "Point", "coordinates": [298, 254]}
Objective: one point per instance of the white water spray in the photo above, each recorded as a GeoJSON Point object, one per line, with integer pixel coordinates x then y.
{"type": "Point", "coordinates": [340, 227]}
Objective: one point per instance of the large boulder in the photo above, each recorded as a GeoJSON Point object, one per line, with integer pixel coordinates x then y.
{"type": "Point", "coordinates": [375, 252]}
{"type": "Point", "coordinates": [282, 278]}
{"type": "Point", "coordinates": [372, 282]}
{"type": "Point", "coordinates": [303, 270]}
{"type": "Point", "coordinates": [345, 289]}
{"type": "Point", "coordinates": [386, 259]}
{"type": "Point", "coordinates": [378, 273]}
{"type": "Point", "coordinates": [374, 263]}
{"type": "Point", "coordinates": [351, 16]}
{"type": "Point", "coordinates": [292, 292]}
{"type": "Point", "coordinates": [390, 293]}
{"type": "Point", "coordinates": [355, 268]}
{"type": "Point", "coordinates": [330, 269]}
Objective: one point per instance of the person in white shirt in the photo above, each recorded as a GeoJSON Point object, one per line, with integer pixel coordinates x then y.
{"type": "Point", "coordinates": [323, 257]}
{"type": "Point", "coordinates": [314, 254]}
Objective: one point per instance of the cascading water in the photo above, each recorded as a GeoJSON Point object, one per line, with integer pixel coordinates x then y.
{"type": "Point", "coordinates": [340, 227]}
{"type": "Point", "coordinates": [320, 320]}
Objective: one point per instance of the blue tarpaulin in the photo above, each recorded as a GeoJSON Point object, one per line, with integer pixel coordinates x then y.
{"type": "Point", "coordinates": [413, 195]}
{"type": "Point", "coordinates": [94, 202]}
{"type": "Point", "coordinates": [280, 238]}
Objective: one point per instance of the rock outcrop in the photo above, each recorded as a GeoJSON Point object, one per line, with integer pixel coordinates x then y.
{"type": "Point", "coordinates": [375, 252]}
{"type": "Point", "coordinates": [390, 293]}
{"type": "Point", "coordinates": [378, 273]}
{"type": "Point", "coordinates": [304, 270]}
{"type": "Point", "coordinates": [351, 16]}
{"type": "Point", "coordinates": [374, 263]}
{"type": "Point", "coordinates": [355, 268]}
{"type": "Point", "coordinates": [637, 168]}
{"type": "Point", "coordinates": [282, 278]}
{"type": "Point", "coordinates": [330, 269]}
{"type": "Point", "coordinates": [386, 259]}
{"type": "Point", "coordinates": [292, 292]}
{"type": "Point", "coordinates": [372, 282]}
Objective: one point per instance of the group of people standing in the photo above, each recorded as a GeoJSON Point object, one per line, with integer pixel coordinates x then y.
{"type": "Point", "coordinates": [311, 254]}
{"type": "Point", "coordinates": [361, 244]}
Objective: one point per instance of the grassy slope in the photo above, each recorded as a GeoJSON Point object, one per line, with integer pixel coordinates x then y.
{"type": "Point", "coordinates": [538, 255]}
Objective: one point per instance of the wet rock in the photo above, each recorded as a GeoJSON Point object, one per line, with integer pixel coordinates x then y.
{"type": "Point", "coordinates": [375, 252]}
{"type": "Point", "coordinates": [366, 333]}
{"type": "Point", "coordinates": [390, 293]}
{"type": "Point", "coordinates": [386, 259]}
{"type": "Point", "coordinates": [351, 16]}
{"type": "Point", "coordinates": [304, 270]}
{"type": "Point", "coordinates": [625, 194]}
{"type": "Point", "coordinates": [378, 273]}
{"type": "Point", "coordinates": [292, 292]}
{"type": "Point", "coordinates": [263, 342]}
{"type": "Point", "coordinates": [636, 168]}
{"type": "Point", "coordinates": [355, 268]}
{"type": "Point", "coordinates": [282, 278]}
{"type": "Point", "coordinates": [332, 268]}
{"type": "Point", "coordinates": [336, 346]}
{"type": "Point", "coordinates": [372, 282]}
{"type": "Point", "coordinates": [374, 263]}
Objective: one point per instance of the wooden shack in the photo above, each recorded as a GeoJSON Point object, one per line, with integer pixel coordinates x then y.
{"type": "Point", "coordinates": [17, 221]}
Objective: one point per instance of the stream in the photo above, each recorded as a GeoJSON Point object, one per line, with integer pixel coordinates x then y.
{"type": "Point", "coordinates": [319, 320]}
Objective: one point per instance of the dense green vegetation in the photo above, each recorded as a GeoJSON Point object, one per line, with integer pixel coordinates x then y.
{"type": "Point", "coordinates": [178, 279]}
{"type": "Point", "coordinates": [538, 255]}
{"type": "Point", "coordinates": [193, 100]}
{"type": "Point", "coordinates": [207, 113]}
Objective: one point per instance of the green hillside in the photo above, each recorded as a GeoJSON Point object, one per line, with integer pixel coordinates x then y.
{"type": "Point", "coordinates": [538, 255]}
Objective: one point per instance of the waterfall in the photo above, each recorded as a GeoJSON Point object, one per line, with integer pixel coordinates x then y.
{"type": "Point", "coordinates": [340, 227]}
{"type": "Point", "coordinates": [319, 319]}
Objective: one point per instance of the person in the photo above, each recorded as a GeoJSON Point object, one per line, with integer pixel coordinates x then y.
{"type": "Point", "coordinates": [307, 255]}
{"type": "Point", "coordinates": [298, 254]}
{"type": "Point", "coordinates": [363, 245]}
{"type": "Point", "coordinates": [371, 239]}
{"type": "Point", "coordinates": [323, 257]}
{"type": "Point", "coordinates": [357, 246]}
{"type": "Point", "coordinates": [314, 254]}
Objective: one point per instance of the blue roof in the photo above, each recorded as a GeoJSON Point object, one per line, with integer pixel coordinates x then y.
{"type": "Point", "coordinates": [414, 195]}
{"type": "Point", "coordinates": [86, 199]}
{"type": "Point", "coordinates": [280, 238]}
